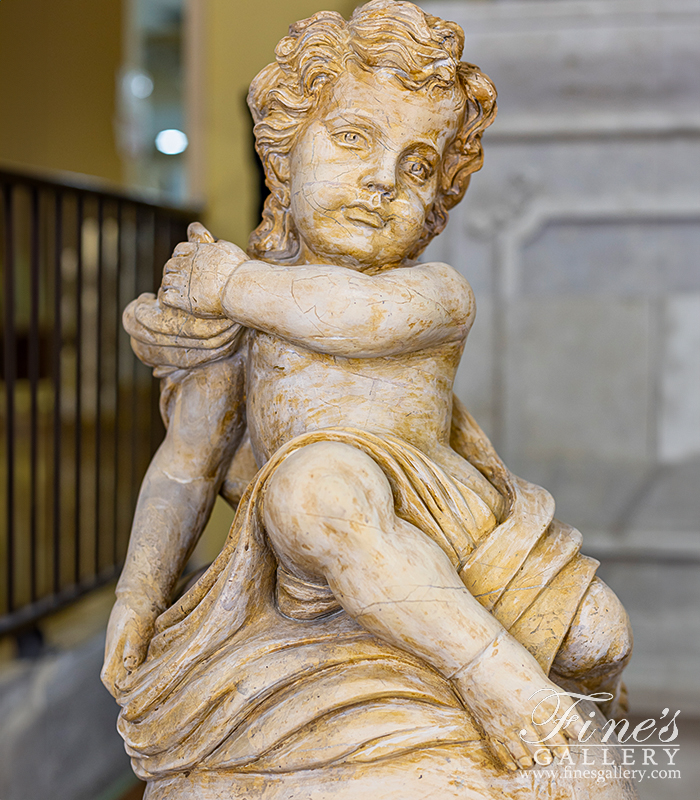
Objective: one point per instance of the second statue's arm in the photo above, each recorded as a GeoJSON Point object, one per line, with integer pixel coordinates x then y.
{"type": "Point", "coordinates": [326, 308]}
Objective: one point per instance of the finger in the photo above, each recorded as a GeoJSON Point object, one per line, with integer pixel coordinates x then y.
{"type": "Point", "coordinates": [134, 654]}
{"type": "Point", "coordinates": [196, 232]}
{"type": "Point", "coordinates": [107, 675]}
{"type": "Point", "coordinates": [177, 264]}
{"type": "Point", "coordinates": [113, 677]}
{"type": "Point", "coordinates": [184, 249]}
{"type": "Point", "coordinates": [174, 298]}
{"type": "Point", "coordinates": [113, 670]}
{"type": "Point", "coordinates": [173, 280]}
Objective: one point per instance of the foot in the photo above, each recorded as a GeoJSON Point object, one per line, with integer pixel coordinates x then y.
{"type": "Point", "coordinates": [527, 719]}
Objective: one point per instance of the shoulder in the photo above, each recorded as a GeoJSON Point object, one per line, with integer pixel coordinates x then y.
{"type": "Point", "coordinates": [451, 287]}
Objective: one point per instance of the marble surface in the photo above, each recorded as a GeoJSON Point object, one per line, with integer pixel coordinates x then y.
{"type": "Point", "coordinates": [393, 610]}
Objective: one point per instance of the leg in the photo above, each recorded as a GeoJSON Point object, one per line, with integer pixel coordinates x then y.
{"type": "Point", "coordinates": [597, 647]}
{"type": "Point", "coordinates": [329, 513]}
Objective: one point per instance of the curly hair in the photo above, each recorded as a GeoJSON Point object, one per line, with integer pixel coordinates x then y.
{"type": "Point", "coordinates": [419, 49]}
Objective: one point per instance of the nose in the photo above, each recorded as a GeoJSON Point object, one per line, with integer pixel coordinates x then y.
{"type": "Point", "coordinates": [383, 191]}
{"type": "Point", "coordinates": [380, 178]}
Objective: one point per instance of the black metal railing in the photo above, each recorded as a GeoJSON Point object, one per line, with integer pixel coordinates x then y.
{"type": "Point", "coordinates": [78, 412]}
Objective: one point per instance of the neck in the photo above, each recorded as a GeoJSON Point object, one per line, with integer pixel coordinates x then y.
{"type": "Point", "coordinates": [308, 256]}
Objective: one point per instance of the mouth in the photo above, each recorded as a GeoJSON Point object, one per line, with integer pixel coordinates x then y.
{"type": "Point", "coordinates": [357, 212]}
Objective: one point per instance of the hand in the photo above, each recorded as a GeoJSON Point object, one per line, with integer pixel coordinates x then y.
{"type": "Point", "coordinates": [129, 632]}
{"type": "Point", "coordinates": [195, 277]}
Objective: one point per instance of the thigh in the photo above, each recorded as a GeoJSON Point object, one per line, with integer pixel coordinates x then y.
{"type": "Point", "coordinates": [325, 498]}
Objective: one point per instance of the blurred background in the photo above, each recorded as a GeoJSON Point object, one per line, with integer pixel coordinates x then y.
{"type": "Point", "coordinates": [123, 120]}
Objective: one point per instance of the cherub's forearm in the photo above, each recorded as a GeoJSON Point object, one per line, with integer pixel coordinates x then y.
{"type": "Point", "coordinates": [166, 527]}
{"type": "Point", "coordinates": [338, 311]}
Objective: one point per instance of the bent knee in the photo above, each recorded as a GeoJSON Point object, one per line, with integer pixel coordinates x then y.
{"type": "Point", "coordinates": [325, 495]}
{"type": "Point", "coordinates": [600, 636]}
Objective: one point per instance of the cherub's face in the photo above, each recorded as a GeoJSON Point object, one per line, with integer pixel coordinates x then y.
{"type": "Point", "coordinates": [364, 171]}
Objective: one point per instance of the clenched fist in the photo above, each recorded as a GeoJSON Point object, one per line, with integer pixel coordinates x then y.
{"type": "Point", "coordinates": [195, 277]}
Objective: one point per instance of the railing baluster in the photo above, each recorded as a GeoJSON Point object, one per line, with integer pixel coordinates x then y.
{"type": "Point", "coordinates": [98, 388]}
{"type": "Point", "coordinates": [117, 404]}
{"type": "Point", "coordinates": [78, 383]}
{"type": "Point", "coordinates": [33, 365]}
{"type": "Point", "coordinates": [57, 417]}
{"type": "Point", "coordinates": [10, 375]}
{"type": "Point", "coordinates": [156, 271]}
{"type": "Point", "coordinates": [133, 477]}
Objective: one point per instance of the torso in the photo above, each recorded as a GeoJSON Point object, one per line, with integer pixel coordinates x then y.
{"type": "Point", "coordinates": [292, 390]}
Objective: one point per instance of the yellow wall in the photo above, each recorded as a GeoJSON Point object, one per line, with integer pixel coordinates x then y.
{"type": "Point", "coordinates": [240, 40]}
{"type": "Point", "coordinates": [58, 65]}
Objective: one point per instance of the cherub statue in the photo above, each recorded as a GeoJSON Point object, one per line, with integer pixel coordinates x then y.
{"type": "Point", "coordinates": [391, 603]}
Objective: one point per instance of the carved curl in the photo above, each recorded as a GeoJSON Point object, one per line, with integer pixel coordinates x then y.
{"type": "Point", "coordinates": [421, 50]}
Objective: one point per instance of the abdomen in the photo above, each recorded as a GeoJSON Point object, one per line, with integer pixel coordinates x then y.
{"type": "Point", "coordinates": [292, 390]}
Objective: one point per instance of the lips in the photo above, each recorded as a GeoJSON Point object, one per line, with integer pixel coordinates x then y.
{"type": "Point", "coordinates": [364, 215]}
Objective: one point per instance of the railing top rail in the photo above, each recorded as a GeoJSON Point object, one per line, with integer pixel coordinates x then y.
{"type": "Point", "coordinates": [90, 185]}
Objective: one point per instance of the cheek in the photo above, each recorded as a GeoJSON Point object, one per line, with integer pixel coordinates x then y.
{"type": "Point", "coordinates": [319, 174]}
{"type": "Point", "coordinates": [307, 195]}
{"type": "Point", "coordinates": [411, 209]}
{"type": "Point", "coordinates": [316, 195]}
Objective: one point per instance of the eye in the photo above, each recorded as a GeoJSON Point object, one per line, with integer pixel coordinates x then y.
{"type": "Point", "coordinates": [419, 169]}
{"type": "Point", "coordinates": [352, 139]}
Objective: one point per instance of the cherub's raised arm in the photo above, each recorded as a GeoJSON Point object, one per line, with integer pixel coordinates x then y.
{"type": "Point", "coordinates": [326, 308]}
{"type": "Point", "coordinates": [341, 312]}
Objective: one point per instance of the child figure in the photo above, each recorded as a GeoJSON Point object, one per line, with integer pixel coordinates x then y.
{"type": "Point", "coordinates": [380, 528]}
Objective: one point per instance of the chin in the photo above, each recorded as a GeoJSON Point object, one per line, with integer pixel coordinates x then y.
{"type": "Point", "coordinates": [364, 253]}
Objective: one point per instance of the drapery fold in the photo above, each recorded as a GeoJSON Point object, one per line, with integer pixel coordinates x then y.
{"type": "Point", "coordinates": [232, 682]}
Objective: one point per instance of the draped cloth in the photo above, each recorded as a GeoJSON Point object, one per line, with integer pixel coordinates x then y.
{"type": "Point", "coordinates": [254, 670]}
{"type": "Point", "coordinates": [232, 682]}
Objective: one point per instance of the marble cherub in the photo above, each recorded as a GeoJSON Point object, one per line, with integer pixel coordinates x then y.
{"type": "Point", "coordinates": [387, 582]}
